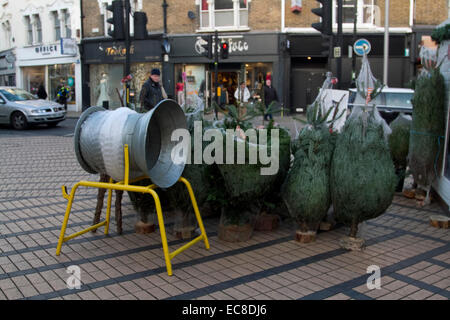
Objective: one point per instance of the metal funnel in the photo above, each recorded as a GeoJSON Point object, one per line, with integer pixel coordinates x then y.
{"type": "Point", "coordinates": [100, 136]}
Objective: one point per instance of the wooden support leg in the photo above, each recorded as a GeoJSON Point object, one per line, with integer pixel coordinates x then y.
{"type": "Point", "coordinates": [100, 198]}
{"type": "Point", "coordinates": [118, 211]}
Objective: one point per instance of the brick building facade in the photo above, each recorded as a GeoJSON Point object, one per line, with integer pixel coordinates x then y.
{"type": "Point", "coordinates": [266, 37]}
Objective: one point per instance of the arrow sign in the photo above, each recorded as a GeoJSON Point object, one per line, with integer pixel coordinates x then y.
{"type": "Point", "coordinates": [361, 47]}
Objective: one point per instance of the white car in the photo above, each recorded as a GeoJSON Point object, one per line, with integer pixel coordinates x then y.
{"type": "Point", "coordinates": [390, 102]}
{"type": "Point", "coordinates": [19, 108]}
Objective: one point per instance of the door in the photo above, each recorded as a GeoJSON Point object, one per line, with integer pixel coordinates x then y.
{"type": "Point", "coordinates": [305, 85]}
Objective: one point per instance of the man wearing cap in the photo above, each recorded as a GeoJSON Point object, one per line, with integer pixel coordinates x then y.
{"type": "Point", "coordinates": [152, 92]}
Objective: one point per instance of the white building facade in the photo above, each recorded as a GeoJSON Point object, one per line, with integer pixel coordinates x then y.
{"type": "Point", "coordinates": [43, 37]}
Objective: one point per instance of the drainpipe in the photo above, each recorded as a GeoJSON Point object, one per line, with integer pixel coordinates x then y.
{"type": "Point", "coordinates": [165, 64]}
{"type": "Point", "coordinates": [165, 5]}
{"type": "Point", "coordinates": [82, 18]}
{"type": "Point", "coordinates": [411, 13]}
{"type": "Point", "coordinates": [283, 15]}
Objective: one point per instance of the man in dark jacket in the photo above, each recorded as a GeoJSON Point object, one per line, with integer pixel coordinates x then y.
{"type": "Point", "coordinates": [270, 95]}
{"type": "Point", "coordinates": [151, 93]}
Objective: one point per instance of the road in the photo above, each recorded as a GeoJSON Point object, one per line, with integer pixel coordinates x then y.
{"type": "Point", "coordinates": [63, 129]}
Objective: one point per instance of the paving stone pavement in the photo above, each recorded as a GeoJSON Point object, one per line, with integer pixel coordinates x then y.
{"type": "Point", "coordinates": [413, 256]}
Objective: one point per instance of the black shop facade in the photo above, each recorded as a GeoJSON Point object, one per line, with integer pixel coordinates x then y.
{"type": "Point", "coordinates": [103, 64]}
{"type": "Point", "coordinates": [306, 64]}
{"type": "Point", "coordinates": [251, 58]}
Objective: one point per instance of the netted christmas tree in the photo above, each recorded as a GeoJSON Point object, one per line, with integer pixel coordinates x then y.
{"type": "Point", "coordinates": [362, 172]}
{"type": "Point", "coordinates": [245, 185]}
{"type": "Point", "coordinates": [306, 191]}
{"type": "Point", "coordinates": [399, 146]}
{"type": "Point", "coordinates": [428, 124]}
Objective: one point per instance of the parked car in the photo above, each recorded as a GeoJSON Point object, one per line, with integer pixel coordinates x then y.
{"type": "Point", "coordinates": [390, 102]}
{"type": "Point", "coordinates": [20, 108]}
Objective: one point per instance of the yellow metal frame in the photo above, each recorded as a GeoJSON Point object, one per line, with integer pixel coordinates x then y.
{"type": "Point", "coordinates": [126, 186]}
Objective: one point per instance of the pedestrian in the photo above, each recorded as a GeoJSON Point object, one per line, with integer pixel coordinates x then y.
{"type": "Point", "coordinates": [270, 95]}
{"type": "Point", "coordinates": [152, 91]}
{"type": "Point", "coordinates": [242, 94]}
{"type": "Point", "coordinates": [202, 89]}
{"type": "Point", "coordinates": [62, 94]}
{"type": "Point", "coordinates": [42, 94]}
{"type": "Point", "coordinates": [180, 91]}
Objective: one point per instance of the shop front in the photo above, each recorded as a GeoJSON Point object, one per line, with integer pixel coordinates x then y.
{"type": "Point", "coordinates": [309, 63]}
{"type": "Point", "coordinates": [252, 57]}
{"type": "Point", "coordinates": [51, 66]}
{"type": "Point", "coordinates": [103, 71]}
{"type": "Point", "coordinates": [7, 68]}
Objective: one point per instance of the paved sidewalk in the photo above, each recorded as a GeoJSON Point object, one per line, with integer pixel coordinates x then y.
{"type": "Point", "coordinates": [413, 256]}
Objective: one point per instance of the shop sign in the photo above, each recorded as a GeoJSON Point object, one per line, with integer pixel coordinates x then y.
{"type": "Point", "coordinates": [4, 65]}
{"type": "Point", "coordinates": [114, 52]}
{"type": "Point", "coordinates": [239, 45]}
{"type": "Point", "coordinates": [236, 45]}
{"type": "Point", "coordinates": [46, 50]}
{"type": "Point", "coordinates": [69, 47]}
{"type": "Point", "coordinates": [39, 52]}
{"type": "Point", "coordinates": [120, 51]}
{"type": "Point", "coordinates": [7, 62]}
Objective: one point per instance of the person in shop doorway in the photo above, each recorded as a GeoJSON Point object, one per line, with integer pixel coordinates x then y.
{"type": "Point", "coordinates": [180, 91]}
{"type": "Point", "coordinates": [242, 94]}
{"type": "Point", "coordinates": [62, 94]}
{"type": "Point", "coordinates": [42, 94]}
{"type": "Point", "coordinates": [270, 95]}
{"type": "Point", "coordinates": [152, 91]}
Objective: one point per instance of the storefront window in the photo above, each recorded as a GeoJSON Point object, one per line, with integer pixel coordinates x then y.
{"type": "Point", "coordinates": [33, 77]}
{"type": "Point", "coordinates": [256, 74]}
{"type": "Point", "coordinates": [190, 83]}
{"type": "Point", "coordinates": [106, 83]}
{"type": "Point", "coordinates": [8, 80]}
{"type": "Point", "coordinates": [58, 74]}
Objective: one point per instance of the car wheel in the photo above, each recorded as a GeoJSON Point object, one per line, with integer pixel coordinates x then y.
{"type": "Point", "coordinates": [19, 121]}
{"type": "Point", "coordinates": [52, 124]}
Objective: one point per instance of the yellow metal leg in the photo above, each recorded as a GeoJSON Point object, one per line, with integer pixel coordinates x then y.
{"type": "Point", "coordinates": [162, 230]}
{"type": "Point", "coordinates": [125, 186]}
{"type": "Point", "coordinates": [108, 208]}
{"type": "Point", "coordinates": [197, 212]}
{"type": "Point", "coordinates": [66, 216]}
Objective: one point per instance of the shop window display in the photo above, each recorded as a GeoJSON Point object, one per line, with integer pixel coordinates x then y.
{"type": "Point", "coordinates": [33, 77]}
{"type": "Point", "coordinates": [58, 74]}
{"type": "Point", "coordinates": [191, 80]}
{"type": "Point", "coordinates": [256, 76]}
{"type": "Point", "coordinates": [106, 83]}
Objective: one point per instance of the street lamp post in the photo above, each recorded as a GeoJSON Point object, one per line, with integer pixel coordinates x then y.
{"type": "Point", "coordinates": [127, 48]}
{"type": "Point", "coordinates": [386, 45]}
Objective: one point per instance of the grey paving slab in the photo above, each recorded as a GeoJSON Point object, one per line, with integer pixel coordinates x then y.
{"type": "Point", "coordinates": [413, 256]}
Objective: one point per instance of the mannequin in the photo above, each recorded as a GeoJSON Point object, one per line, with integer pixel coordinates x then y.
{"type": "Point", "coordinates": [103, 90]}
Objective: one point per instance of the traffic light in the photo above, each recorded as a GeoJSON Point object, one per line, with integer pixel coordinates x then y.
{"type": "Point", "coordinates": [207, 45]}
{"type": "Point", "coordinates": [327, 44]}
{"type": "Point", "coordinates": [140, 25]}
{"type": "Point", "coordinates": [325, 26]}
{"type": "Point", "coordinates": [224, 50]}
{"type": "Point", "coordinates": [117, 20]}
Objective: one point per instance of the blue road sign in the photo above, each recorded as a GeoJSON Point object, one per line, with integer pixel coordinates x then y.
{"type": "Point", "coordinates": [362, 46]}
